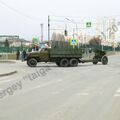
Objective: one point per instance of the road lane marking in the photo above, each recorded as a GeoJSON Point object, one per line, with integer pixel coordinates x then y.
{"type": "Point", "coordinates": [2, 81]}
{"type": "Point", "coordinates": [59, 80]}
{"type": "Point", "coordinates": [9, 79]}
{"type": "Point", "coordinates": [57, 92]}
{"type": "Point", "coordinates": [117, 94]}
{"type": "Point", "coordinates": [82, 94]}
{"type": "Point", "coordinates": [45, 84]}
{"type": "Point", "coordinates": [118, 91]}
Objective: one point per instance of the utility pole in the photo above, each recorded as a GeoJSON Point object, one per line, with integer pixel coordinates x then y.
{"type": "Point", "coordinates": [48, 28]}
{"type": "Point", "coordinates": [73, 33]}
{"type": "Point", "coordinates": [41, 32]}
{"type": "Point", "coordinates": [104, 31]}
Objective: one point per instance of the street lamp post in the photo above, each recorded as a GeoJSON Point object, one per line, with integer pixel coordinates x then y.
{"type": "Point", "coordinates": [41, 32]}
{"type": "Point", "coordinates": [72, 21]}
{"type": "Point", "coordinates": [49, 28]}
{"type": "Point", "coordinates": [76, 27]}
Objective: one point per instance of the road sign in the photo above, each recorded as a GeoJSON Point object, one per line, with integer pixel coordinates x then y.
{"type": "Point", "coordinates": [88, 24]}
{"type": "Point", "coordinates": [36, 41]}
{"type": "Point", "coordinates": [73, 42]}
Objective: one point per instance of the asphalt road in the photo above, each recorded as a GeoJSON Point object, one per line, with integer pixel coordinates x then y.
{"type": "Point", "coordinates": [48, 92]}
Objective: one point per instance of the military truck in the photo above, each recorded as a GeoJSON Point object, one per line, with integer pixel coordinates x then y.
{"type": "Point", "coordinates": [64, 57]}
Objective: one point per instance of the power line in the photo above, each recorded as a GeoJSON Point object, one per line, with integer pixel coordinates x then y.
{"type": "Point", "coordinates": [19, 12]}
{"type": "Point", "coordinates": [83, 17]}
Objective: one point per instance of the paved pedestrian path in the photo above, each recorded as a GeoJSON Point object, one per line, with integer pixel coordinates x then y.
{"type": "Point", "coordinates": [7, 67]}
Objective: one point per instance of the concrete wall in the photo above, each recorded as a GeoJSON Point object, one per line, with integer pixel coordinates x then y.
{"type": "Point", "coordinates": [7, 56]}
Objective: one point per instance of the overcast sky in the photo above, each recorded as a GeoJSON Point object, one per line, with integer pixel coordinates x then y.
{"type": "Point", "coordinates": [23, 17]}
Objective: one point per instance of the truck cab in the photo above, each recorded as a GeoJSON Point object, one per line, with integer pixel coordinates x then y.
{"type": "Point", "coordinates": [38, 56]}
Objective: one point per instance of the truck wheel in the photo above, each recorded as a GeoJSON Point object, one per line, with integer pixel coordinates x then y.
{"type": "Point", "coordinates": [73, 62]}
{"type": "Point", "coordinates": [104, 60]}
{"type": "Point", "coordinates": [58, 64]}
{"type": "Point", "coordinates": [64, 62]}
{"type": "Point", "coordinates": [95, 61]}
{"type": "Point", "coordinates": [27, 62]}
{"type": "Point", "coordinates": [32, 62]}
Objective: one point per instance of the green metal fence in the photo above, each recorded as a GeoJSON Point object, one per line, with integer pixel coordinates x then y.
{"type": "Point", "coordinates": [12, 49]}
{"type": "Point", "coordinates": [60, 45]}
{"type": "Point", "coordinates": [9, 50]}
{"type": "Point", "coordinates": [99, 47]}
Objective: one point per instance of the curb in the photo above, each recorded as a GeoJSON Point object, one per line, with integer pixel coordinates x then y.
{"type": "Point", "coordinates": [7, 74]}
{"type": "Point", "coordinates": [117, 53]}
{"type": "Point", "coordinates": [7, 61]}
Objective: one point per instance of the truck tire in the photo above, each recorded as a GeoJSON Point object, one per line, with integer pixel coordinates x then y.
{"type": "Point", "coordinates": [58, 64]}
{"type": "Point", "coordinates": [104, 60]}
{"type": "Point", "coordinates": [32, 62]}
{"type": "Point", "coordinates": [64, 62]}
{"type": "Point", "coordinates": [73, 62]}
{"type": "Point", "coordinates": [28, 63]}
{"type": "Point", "coordinates": [95, 61]}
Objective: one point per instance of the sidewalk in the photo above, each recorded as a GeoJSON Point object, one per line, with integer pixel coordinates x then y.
{"type": "Point", "coordinates": [7, 67]}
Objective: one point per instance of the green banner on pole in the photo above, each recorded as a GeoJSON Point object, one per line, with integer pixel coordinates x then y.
{"type": "Point", "coordinates": [88, 24]}
{"type": "Point", "coordinates": [36, 41]}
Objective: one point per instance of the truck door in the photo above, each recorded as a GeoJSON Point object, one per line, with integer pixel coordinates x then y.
{"type": "Point", "coordinates": [44, 55]}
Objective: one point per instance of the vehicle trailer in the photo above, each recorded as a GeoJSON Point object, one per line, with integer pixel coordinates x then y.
{"type": "Point", "coordinates": [100, 56]}
{"type": "Point", "coordinates": [64, 57]}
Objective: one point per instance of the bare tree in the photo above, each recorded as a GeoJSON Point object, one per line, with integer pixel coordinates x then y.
{"type": "Point", "coordinates": [118, 44]}
{"type": "Point", "coordinates": [95, 41]}
{"type": "Point", "coordinates": [7, 43]}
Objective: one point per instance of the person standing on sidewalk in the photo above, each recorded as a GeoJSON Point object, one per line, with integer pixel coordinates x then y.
{"type": "Point", "coordinates": [18, 55]}
{"type": "Point", "coordinates": [24, 55]}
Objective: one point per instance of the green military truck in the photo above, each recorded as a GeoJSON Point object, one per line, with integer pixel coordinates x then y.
{"type": "Point", "coordinates": [64, 57]}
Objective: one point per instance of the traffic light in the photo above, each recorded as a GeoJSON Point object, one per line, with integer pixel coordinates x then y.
{"type": "Point", "coordinates": [66, 33]}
